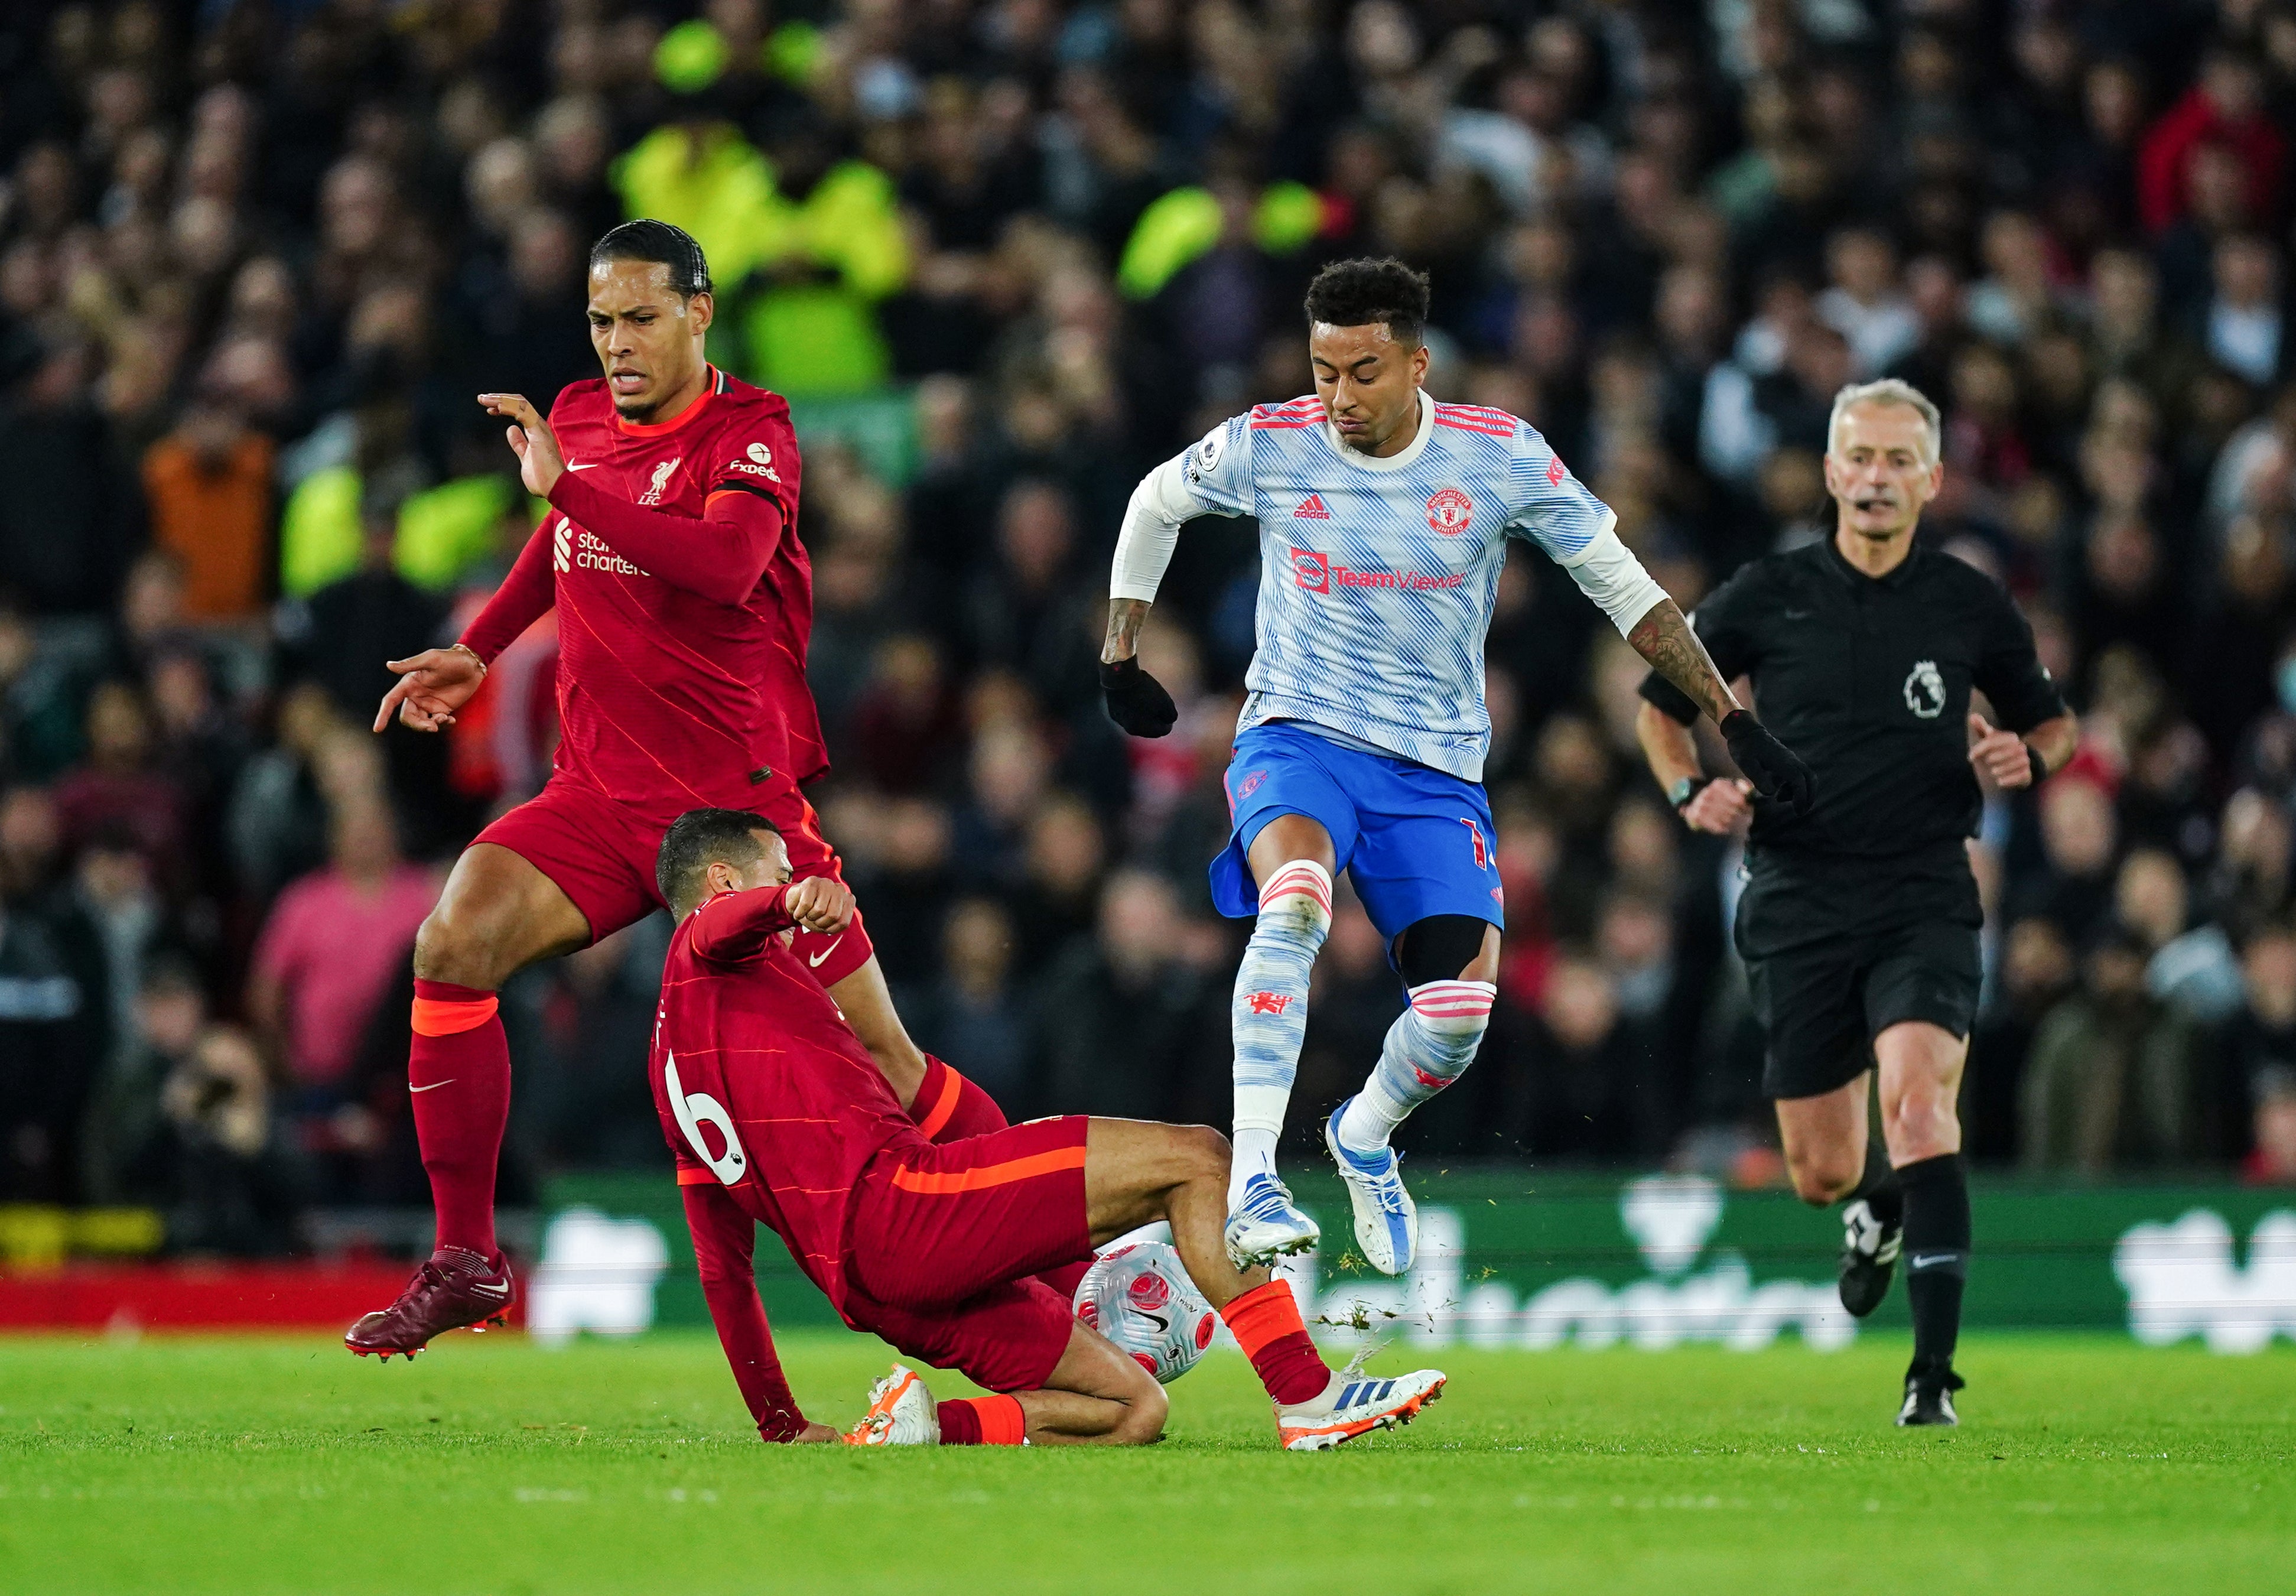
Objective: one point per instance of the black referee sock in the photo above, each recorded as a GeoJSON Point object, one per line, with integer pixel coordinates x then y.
{"type": "Point", "coordinates": [1937, 1256]}
{"type": "Point", "coordinates": [1879, 1187]}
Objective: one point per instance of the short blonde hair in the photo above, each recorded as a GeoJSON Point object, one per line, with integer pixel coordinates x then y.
{"type": "Point", "coordinates": [1890, 390]}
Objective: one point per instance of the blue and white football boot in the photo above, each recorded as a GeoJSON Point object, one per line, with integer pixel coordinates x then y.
{"type": "Point", "coordinates": [1387, 1220]}
{"type": "Point", "coordinates": [1268, 1225]}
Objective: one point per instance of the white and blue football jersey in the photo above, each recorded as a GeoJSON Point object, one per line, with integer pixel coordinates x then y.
{"type": "Point", "coordinates": [1378, 576]}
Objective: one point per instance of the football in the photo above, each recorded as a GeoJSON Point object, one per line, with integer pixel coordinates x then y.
{"type": "Point", "coordinates": [1140, 1298]}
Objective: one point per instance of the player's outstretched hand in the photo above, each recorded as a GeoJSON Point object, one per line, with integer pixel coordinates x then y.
{"type": "Point", "coordinates": [1776, 770]}
{"type": "Point", "coordinates": [431, 686]}
{"type": "Point", "coordinates": [540, 464]}
{"type": "Point", "coordinates": [1720, 808]}
{"type": "Point", "coordinates": [820, 903]}
{"type": "Point", "coordinates": [815, 1434]}
{"type": "Point", "coordinates": [2000, 756]}
{"type": "Point", "coordinates": [1136, 701]}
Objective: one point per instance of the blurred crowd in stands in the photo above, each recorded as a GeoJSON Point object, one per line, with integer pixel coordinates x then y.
{"type": "Point", "coordinates": [1003, 256]}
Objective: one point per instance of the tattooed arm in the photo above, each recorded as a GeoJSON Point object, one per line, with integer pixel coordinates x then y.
{"type": "Point", "coordinates": [1126, 617]}
{"type": "Point", "coordinates": [1663, 638]}
{"type": "Point", "coordinates": [1685, 683]}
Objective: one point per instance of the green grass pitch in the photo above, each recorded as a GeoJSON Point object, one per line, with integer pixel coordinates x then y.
{"type": "Point", "coordinates": [251, 1465]}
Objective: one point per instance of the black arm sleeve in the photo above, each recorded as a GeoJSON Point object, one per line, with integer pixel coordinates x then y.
{"type": "Point", "coordinates": [1724, 623]}
{"type": "Point", "coordinates": [2009, 670]}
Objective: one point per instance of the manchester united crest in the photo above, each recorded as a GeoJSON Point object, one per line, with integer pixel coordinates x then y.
{"type": "Point", "coordinates": [1449, 512]}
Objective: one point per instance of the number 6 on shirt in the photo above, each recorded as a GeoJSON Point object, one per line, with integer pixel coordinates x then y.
{"type": "Point", "coordinates": [698, 1110]}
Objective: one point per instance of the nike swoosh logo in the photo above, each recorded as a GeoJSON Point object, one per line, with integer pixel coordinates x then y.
{"type": "Point", "coordinates": [582, 465]}
{"type": "Point", "coordinates": [1924, 1260]}
{"type": "Point", "coordinates": [501, 1291]}
{"type": "Point", "coordinates": [814, 959]}
{"type": "Point", "coordinates": [435, 1085]}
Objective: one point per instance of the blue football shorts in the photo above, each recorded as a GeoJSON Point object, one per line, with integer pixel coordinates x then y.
{"type": "Point", "coordinates": [1414, 841]}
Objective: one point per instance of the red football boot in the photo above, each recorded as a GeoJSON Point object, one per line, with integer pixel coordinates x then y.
{"type": "Point", "coordinates": [455, 1288]}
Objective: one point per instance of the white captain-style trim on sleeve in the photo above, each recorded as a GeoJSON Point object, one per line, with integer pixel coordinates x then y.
{"type": "Point", "coordinates": [1607, 571]}
{"type": "Point", "coordinates": [1151, 532]}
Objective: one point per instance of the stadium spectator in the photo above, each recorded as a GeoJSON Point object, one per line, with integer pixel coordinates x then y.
{"type": "Point", "coordinates": [974, 1009]}
{"type": "Point", "coordinates": [209, 487]}
{"type": "Point", "coordinates": [330, 947]}
{"type": "Point", "coordinates": [118, 789]}
{"type": "Point", "coordinates": [2114, 1079]}
{"type": "Point", "coordinates": [1123, 1021]}
{"type": "Point", "coordinates": [49, 1055]}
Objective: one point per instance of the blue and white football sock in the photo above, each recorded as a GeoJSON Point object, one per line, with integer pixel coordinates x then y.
{"type": "Point", "coordinates": [1429, 1046]}
{"type": "Point", "coordinates": [1269, 1011]}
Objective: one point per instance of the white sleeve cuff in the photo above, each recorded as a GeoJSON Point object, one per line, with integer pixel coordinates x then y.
{"type": "Point", "coordinates": [1607, 571]}
{"type": "Point", "coordinates": [1150, 530]}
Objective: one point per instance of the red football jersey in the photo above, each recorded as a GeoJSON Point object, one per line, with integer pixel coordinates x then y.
{"type": "Point", "coordinates": [669, 700]}
{"type": "Point", "coordinates": [760, 1084]}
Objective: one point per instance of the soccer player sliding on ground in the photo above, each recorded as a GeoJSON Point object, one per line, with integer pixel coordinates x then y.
{"type": "Point", "coordinates": [1383, 517]}
{"type": "Point", "coordinates": [1861, 916]}
{"type": "Point", "coordinates": [685, 606]}
{"type": "Point", "coordinates": [777, 1114]}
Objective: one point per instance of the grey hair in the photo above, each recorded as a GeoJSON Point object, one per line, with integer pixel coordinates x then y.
{"type": "Point", "coordinates": [1890, 390]}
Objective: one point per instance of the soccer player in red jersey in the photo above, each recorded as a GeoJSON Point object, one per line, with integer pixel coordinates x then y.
{"type": "Point", "coordinates": [684, 605]}
{"type": "Point", "coordinates": [777, 1114]}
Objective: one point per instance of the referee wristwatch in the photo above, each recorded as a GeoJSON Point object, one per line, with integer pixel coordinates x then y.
{"type": "Point", "coordinates": [1685, 789]}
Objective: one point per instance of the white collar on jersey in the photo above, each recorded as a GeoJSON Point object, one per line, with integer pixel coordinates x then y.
{"type": "Point", "coordinates": [1411, 450]}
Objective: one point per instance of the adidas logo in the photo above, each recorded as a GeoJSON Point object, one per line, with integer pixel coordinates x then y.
{"type": "Point", "coordinates": [1311, 508]}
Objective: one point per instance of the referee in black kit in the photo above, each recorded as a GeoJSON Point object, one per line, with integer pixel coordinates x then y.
{"type": "Point", "coordinates": [1860, 919]}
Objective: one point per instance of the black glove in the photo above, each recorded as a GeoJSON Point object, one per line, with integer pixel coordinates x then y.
{"type": "Point", "coordinates": [1136, 701]}
{"type": "Point", "coordinates": [1776, 770]}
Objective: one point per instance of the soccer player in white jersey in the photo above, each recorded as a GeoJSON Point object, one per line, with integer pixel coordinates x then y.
{"type": "Point", "coordinates": [1383, 520]}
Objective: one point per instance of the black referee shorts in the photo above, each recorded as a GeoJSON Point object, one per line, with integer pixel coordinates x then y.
{"type": "Point", "coordinates": [1822, 1004]}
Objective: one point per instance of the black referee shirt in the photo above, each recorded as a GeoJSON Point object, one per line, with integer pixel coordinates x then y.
{"type": "Point", "coordinates": [1868, 679]}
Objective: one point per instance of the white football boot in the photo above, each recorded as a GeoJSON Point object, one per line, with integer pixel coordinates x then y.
{"type": "Point", "coordinates": [1387, 1220]}
{"type": "Point", "coordinates": [1268, 1225]}
{"type": "Point", "coordinates": [901, 1413]}
{"type": "Point", "coordinates": [1356, 1404]}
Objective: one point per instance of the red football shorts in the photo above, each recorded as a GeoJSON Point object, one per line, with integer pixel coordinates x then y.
{"type": "Point", "coordinates": [601, 854]}
{"type": "Point", "coordinates": [943, 1240]}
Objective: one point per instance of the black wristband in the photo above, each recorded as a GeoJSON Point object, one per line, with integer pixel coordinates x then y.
{"type": "Point", "coordinates": [2040, 763]}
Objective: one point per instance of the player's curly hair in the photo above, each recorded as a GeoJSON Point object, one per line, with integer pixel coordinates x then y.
{"type": "Point", "coordinates": [1357, 294]}
{"type": "Point", "coordinates": [646, 239]}
{"type": "Point", "coordinates": [698, 839]}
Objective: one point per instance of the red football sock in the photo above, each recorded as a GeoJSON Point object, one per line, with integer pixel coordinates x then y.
{"type": "Point", "coordinates": [983, 1422]}
{"type": "Point", "coordinates": [1267, 1324]}
{"type": "Point", "coordinates": [458, 1079]}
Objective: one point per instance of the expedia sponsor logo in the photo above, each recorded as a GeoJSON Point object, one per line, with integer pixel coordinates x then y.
{"type": "Point", "coordinates": [760, 464]}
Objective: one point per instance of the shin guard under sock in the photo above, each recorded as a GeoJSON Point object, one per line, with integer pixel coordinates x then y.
{"type": "Point", "coordinates": [1269, 1011]}
{"type": "Point", "coordinates": [1879, 1187]}
{"type": "Point", "coordinates": [1267, 1324]}
{"type": "Point", "coordinates": [1430, 1045]}
{"type": "Point", "coordinates": [983, 1422]}
{"type": "Point", "coordinates": [458, 1081]}
{"type": "Point", "coordinates": [1936, 1255]}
